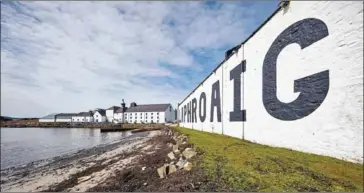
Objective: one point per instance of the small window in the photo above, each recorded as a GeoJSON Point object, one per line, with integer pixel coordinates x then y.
{"type": "Point", "coordinates": [152, 113]}
{"type": "Point", "coordinates": [157, 113]}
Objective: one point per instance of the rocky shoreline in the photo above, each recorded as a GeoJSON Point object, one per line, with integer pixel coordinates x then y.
{"type": "Point", "coordinates": [143, 162]}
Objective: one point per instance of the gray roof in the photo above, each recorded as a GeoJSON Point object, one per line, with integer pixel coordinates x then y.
{"type": "Point", "coordinates": [101, 111]}
{"type": "Point", "coordinates": [115, 108]}
{"type": "Point", "coordinates": [50, 116]}
{"type": "Point", "coordinates": [66, 115]}
{"type": "Point", "coordinates": [121, 110]}
{"type": "Point", "coordinates": [148, 108]}
{"type": "Point", "coordinates": [86, 114]}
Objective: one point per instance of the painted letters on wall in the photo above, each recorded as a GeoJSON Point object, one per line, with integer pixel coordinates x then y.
{"type": "Point", "coordinates": [296, 83]}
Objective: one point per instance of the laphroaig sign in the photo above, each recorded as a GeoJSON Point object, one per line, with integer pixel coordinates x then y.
{"type": "Point", "coordinates": [296, 83]}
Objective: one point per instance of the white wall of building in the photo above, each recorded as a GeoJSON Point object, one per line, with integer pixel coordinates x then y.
{"type": "Point", "coordinates": [82, 119]}
{"type": "Point", "coordinates": [110, 115]}
{"type": "Point", "coordinates": [98, 117]}
{"type": "Point", "coordinates": [119, 117]}
{"type": "Point", "coordinates": [46, 120]}
{"type": "Point", "coordinates": [334, 127]}
{"type": "Point", "coordinates": [145, 117]}
{"type": "Point", "coordinates": [63, 120]}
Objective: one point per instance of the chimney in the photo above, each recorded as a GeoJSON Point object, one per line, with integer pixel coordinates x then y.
{"type": "Point", "coordinates": [123, 105]}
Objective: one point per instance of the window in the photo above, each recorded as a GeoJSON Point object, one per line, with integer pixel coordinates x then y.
{"type": "Point", "coordinates": [146, 114]}
{"type": "Point", "coordinates": [157, 113]}
{"type": "Point", "coordinates": [152, 118]}
{"type": "Point", "coordinates": [152, 113]}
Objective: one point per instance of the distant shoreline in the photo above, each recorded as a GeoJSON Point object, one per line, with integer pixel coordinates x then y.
{"type": "Point", "coordinates": [103, 125]}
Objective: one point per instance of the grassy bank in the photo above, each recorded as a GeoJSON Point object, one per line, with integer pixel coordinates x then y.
{"type": "Point", "coordinates": [246, 166]}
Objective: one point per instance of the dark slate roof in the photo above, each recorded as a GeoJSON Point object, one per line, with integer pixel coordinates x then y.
{"type": "Point", "coordinates": [50, 116]}
{"type": "Point", "coordinates": [148, 108]}
{"type": "Point", "coordinates": [66, 115]}
{"type": "Point", "coordinates": [115, 108]}
{"type": "Point", "coordinates": [101, 111]}
{"type": "Point", "coordinates": [86, 114]}
{"type": "Point", "coordinates": [121, 110]}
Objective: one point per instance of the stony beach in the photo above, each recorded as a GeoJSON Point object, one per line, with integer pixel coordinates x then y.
{"type": "Point", "coordinates": [147, 161]}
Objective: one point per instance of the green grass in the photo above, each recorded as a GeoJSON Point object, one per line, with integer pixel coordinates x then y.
{"type": "Point", "coordinates": [247, 166]}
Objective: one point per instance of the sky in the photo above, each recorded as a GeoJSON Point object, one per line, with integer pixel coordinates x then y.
{"type": "Point", "coordinates": [76, 56]}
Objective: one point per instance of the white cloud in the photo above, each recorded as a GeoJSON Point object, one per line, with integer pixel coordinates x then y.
{"type": "Point", "coordinates": [75, 56]}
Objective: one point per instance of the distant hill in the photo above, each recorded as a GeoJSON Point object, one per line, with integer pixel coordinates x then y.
{"type": "Point", "coordinates": [5, 118]}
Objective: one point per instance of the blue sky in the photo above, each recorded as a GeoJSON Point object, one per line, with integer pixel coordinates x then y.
{"type": "Point", "coordinates": [76, 56]}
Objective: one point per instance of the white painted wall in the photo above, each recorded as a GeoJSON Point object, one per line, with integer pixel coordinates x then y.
{"type": "Point", "coordinates": [145, 117]}
{"type": "Point", "coordinates": [98, 117]}
{"type": "Point", "coordinates": [46, 120]}
{"type": "Point", "coordinates": [119, 117]}
{"type": "Point", "coordinates": [82, 119]}
{"type": "Point", "coordinates": [109, 115]}
{"type": "Point", "coordinates": [335, 128]}
{"type": "Point", "coordinates": [63, 120]}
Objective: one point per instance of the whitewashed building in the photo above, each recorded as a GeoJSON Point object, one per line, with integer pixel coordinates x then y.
{"type": "Point", "coordinates": [119, 114]}
{"type": "Point", "coordinates": [83, 117]}
{"type": "Point", "coordinates": [149, 113]}
{"type": "Point", "coordinates": [64, 117]}
{"type": "Point", "coordinates": [48, 118]}
{"type": "Point", "coordinates": [111, 113]}
{"type": "Point", "coordinates": [99, 115]}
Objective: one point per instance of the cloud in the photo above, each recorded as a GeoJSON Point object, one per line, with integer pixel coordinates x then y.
{"type": "Point", "coordinates": [74, 56]}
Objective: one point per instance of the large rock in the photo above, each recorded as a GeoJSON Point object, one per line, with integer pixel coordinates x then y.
{"type": "Point", "coordinates": [187, 166]}
{"type": "Point", "coordinates": [189, 153]}
{"type": "Point", "coordinates": [175, 148]}
{"type": "Point", "coordinates": [181, 163]}
{"type": "Point", "coordinates": [171, 156]}
{"type": "Point", "coordinates": [171, 169]}
{"type": "Point", "coordinates": [166, 170]}
{"type": "Point", "coordinates": [162, 171]}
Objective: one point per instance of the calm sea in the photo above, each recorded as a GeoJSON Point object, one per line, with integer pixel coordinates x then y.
{"type": "Point", "coordinates": [20, 146]}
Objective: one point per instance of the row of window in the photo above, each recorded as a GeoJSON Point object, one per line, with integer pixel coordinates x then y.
{"type": "Point", "coordinates": [140, 117]}
{"type": "Point", "coordinates": [139, 113]}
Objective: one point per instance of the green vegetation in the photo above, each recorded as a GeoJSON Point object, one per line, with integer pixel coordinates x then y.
{"type": "Point", "coordinates": [246, 166]}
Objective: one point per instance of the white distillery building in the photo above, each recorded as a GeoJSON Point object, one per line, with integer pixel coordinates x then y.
{"type": "Point", "coordinates": [83, 117]}
{"type": "Point", "coordinates": [100, 115]}
{"type": "Point", "coordinates": [111, 113]}
{"type": "Point", "coordinates": [64, 117]}
{"type": "Point", "coordinates": [148, 113]}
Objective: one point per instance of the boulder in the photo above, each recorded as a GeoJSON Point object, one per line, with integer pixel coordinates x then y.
{"type": "Point", "coordinates": [180, 164]}
{"type": "Point", "coordinates": [175, 148]}
{"type": "Point", "coordinates": [162, 171]}
{"type": "Point", "coordinates": [171, 156]}
{"type": "Point", "coordinates": [189, 153]}
{"type": "Point", "coordinates": [187, 166]}
{"type": "Point", "coordinates": [171, 169]}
